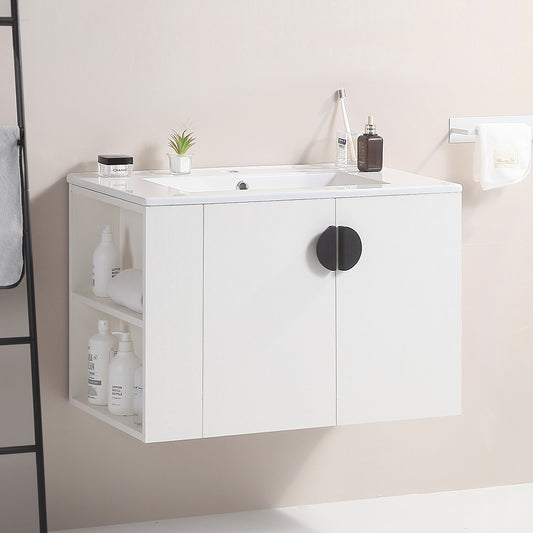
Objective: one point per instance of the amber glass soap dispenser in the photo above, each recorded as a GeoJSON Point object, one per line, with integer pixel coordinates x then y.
{"type": "Point", "coordinates": [369, 149]}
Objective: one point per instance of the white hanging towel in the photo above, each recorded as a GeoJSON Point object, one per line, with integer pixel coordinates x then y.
{"type": "Point", "coordinates": [10, 208]}
{"type": "Point", "coordinates": [502, 154]}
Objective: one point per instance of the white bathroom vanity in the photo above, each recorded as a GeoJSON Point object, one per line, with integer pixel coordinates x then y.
{"type": "Point", "coordinates": [243, 328]}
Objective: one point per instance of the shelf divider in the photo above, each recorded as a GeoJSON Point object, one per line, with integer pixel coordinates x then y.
{"type": "Point", "coordinates": [106, 305]}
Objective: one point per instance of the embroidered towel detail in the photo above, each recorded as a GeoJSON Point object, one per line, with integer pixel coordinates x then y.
{"type": "Point", "coordinates": [11, 261]}
{"type": "Point", "coordinates": [126, 289]}
{"type": "Point", "coordinates": [502, 155]}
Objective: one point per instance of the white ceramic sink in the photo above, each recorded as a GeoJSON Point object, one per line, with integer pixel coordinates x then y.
{"type": "Point", "coordinates": [260, 184]}
{"type": "Point", "coordinates": [242, 181]}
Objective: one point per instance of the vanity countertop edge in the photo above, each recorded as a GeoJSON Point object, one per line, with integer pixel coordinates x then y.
{"type": "Point", "coordinates": [138, 190]}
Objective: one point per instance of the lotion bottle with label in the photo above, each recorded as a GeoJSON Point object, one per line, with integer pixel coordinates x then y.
{"type": "Point", "coordinates": [101, 350]}
{"type": "Point", "coordinates": [106, 263]}
{"type": "Point", "coordinates": [121, 377]}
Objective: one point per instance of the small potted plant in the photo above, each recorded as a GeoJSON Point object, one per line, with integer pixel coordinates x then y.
{"type": "Point", "coordinates": [180, 143]}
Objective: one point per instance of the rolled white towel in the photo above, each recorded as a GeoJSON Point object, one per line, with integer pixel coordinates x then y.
{"type": "Point", "coordinates": [126, 289]}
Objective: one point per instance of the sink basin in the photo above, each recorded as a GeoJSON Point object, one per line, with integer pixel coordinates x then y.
{"type": "Point", "coordinates": [258, 184]}
{"type": "Point", "coordinates": [243, 182]}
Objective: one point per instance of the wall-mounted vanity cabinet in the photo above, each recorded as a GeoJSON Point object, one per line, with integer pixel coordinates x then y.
{"type": "Point", "coordinates": [244, 329]}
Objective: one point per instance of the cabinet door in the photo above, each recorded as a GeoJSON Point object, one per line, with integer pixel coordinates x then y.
{"type": "Point", "coordinates": [173, 323]}
{"type": "Point", "coordinates": [399, 309]}
{"type": "Point", "coordinates": [269, 318]}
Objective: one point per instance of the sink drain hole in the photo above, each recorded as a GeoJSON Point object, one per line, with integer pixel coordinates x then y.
{"type": "Point", "coordinates": [242, 186]}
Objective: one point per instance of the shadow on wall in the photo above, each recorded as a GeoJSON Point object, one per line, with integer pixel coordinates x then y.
{"type": "Point", "coordinates": [458, 157]}
{"type": "Point", "coordinates": [443, 142]}
{"type": "Point", "coordinates": [324, 132]}
{"type": "Point", "coordinates": [49, 229]}
{"type": "Point", "coordinates": [203, 476]}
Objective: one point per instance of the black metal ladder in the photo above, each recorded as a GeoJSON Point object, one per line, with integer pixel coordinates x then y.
{"type": "Point", "coordinates": [31, 339]}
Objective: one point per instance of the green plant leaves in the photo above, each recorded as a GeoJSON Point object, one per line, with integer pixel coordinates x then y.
{"type": "Point", "coordinates": [180, 143]}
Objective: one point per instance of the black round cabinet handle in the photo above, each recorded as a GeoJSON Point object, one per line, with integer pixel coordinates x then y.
{"type": "Point", "coordinates": [350, 247]}
{"type": "Point", "coordinates": [326, 248]}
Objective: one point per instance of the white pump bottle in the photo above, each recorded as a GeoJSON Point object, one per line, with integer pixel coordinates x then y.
{"type": "Point", "coordinates": [106, 263]}
{"type": "Point", "coordinates": [121, 377]}
{"type": "Point", "coordinates": [101, 350]}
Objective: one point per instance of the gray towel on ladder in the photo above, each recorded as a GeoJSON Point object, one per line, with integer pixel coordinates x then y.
{"type": "Point", "coordinates": [11, 261]}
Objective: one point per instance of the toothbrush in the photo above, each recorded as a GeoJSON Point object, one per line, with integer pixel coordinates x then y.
{"type": "Point", "coordinates": [342, 95]}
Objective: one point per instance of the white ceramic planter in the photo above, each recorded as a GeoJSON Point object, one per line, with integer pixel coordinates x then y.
{"type": "Point", "coordinates": [180, 164]}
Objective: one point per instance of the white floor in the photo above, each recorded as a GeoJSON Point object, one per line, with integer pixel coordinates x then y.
{"type": "Point", "coordinates": [507, 509]}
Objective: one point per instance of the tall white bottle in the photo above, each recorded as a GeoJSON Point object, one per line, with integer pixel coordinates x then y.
{"type": "Point", "coordinates": [121, 377]}
{"type": "Point", "coordinates": [106, 263]}
{"type": "Point", "coordinates": [101, 350]}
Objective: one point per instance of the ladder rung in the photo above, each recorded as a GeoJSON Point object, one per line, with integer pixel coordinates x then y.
{"type": "Point", "coordinates": [7, 21]}
{"type": "Point", "coordinates": [9, 450]}
{"type": "Point", "coordinates": [9, 341]}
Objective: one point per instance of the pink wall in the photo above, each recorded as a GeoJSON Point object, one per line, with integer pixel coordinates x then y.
{"type": "Point", "coordinates": [256, 80]}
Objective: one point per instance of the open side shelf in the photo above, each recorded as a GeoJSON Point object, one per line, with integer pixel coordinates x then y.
{"type": "Point", "coordinates": [89, 213]}
{"type": "Point", "coordinates": [124, 423]}
{"type": "Point", "coordinates": [84, 318]}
